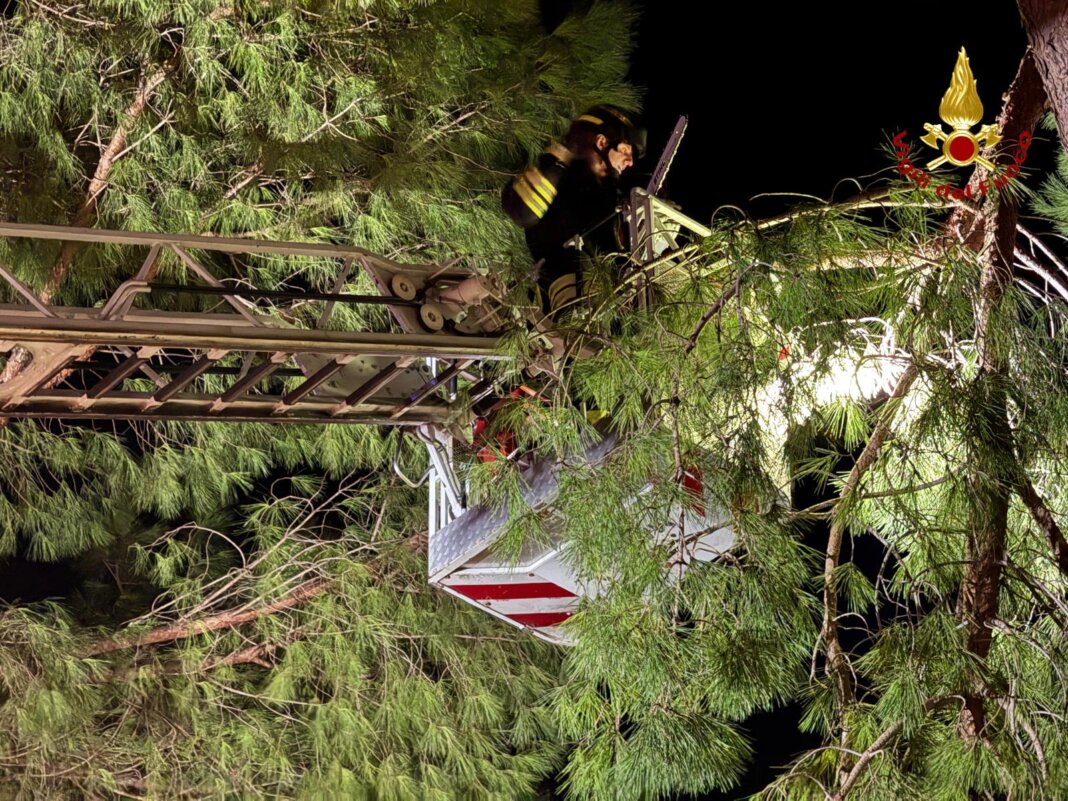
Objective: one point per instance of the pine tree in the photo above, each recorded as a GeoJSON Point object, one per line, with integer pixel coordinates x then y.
{"type": "Point", "coordinates": [253, 619]}
{"type": "Point", "coordinates": [251, 616]}
{"type": "Point", "coordinates": [938, 675]}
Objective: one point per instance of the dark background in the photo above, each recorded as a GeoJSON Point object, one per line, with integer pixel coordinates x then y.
{"type": "Point", "coordinates": [799, 99]}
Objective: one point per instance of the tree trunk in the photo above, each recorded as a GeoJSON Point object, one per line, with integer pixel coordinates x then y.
{"type": "Point", "coordinates": [1046, 24]}
{"type": "Point", "coordinates": [993, 235]}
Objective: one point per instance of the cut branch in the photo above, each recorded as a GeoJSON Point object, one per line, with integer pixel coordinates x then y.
{"type": "Point", "coordinates": [253, 655]}
{"type": "Point", "coordinates": [222, 621]}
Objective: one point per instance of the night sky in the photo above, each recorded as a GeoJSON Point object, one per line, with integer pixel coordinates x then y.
{"type": "Point", "coordinates": [788, 99]}
{"type": "Point", "coordinates": [794, 99]}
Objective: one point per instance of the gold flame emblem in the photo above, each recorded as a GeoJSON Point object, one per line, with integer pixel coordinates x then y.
{"type": "Point", "coordinates": [960, 109]}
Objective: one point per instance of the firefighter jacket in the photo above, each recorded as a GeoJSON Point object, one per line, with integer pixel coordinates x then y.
{"type": "Point", "coordinates": [556, 200]}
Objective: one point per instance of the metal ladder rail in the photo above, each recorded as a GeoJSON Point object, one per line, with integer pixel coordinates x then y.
{"type": "Point", "coordinates": [65, 338]}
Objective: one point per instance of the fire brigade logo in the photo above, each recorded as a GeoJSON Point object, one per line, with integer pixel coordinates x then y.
{"type": "Point", "coordinates": [961, 109]}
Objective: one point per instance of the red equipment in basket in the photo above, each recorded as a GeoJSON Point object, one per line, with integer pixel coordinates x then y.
{"type": "Point", "coordinates": [503, 442]}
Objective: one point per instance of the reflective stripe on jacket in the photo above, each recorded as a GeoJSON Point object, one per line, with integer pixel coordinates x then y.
{"type": "Point", "coordinates": [529, 195]}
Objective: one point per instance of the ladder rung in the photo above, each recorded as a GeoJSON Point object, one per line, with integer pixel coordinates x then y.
{"type": "Point", "coordinates": [320, 376]}
{"type": "Point", "coordinates": [42, 381]}
{"type": "Point", "coordinates": [369, 387]}
{"type": "Point", "coordinates": [187, 376]}
{"type": "Point", "coordinates": [120, 373]}
{"type": "Point", "coordinates": [481, 390]}
{"type": "Point", "coordinates": [254, 376]}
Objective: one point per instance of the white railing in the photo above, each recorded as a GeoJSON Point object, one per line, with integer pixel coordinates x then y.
{"type": "Point", "coordinates": [656, 228]}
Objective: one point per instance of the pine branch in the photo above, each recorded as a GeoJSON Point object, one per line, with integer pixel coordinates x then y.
{"type": "Point", "coordinates": [224, 620]}
{"type": "Point", "coordinates": [64, 14]}
{"type": "Point", "coordinates": [837, 660]}
{"type": "Point", "coordinates": [1036, 242]}
{"type": "Point", "coordinates": [329, 121]}
{"type": "Point", "coordinates": [877, 199]}
{"type": "Point", "coordinates": [1008, 705]}
{"type": "Point", "coordinates": [862, 761]}
{"type": "Point", "coordinates": [246, 176]}
{"type": "Point", "coordinates": [1032, 264]}
{"type": "Point", "coordinates": [877, 747]}
{"type": "Point", "coordinates": [1043, 517]}
{"type": "Point", "coordinates": [816, 510]}
{"type": "Point", "coordinates": [1046, 600]}
{"type": "Point", "coordinates": [715, 308]}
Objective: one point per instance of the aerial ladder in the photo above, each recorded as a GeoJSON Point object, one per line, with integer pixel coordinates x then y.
{"type": "Point", "coordinates": [135, 357]}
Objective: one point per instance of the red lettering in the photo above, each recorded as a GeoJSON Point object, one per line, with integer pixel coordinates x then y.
{"type": "Point", "coordinates": [1012, 170]}
{"type": "Point", "coordinates": [1020, 155]}
{"type": "Point", "coordinates": [899, 143]}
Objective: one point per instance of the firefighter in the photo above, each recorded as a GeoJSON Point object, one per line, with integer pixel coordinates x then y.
{"type": "Point", "coordinates": [568, 202]}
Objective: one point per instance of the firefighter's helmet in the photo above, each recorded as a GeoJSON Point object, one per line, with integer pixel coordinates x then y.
{"type": "Point", "coordinates": [614, 123]}
{"type": "Point", "coordinates": [528, 197]}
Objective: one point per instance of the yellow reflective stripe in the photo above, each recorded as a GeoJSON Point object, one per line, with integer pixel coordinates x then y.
{"type": "Point", "coordinates": [541, 196]}
{"type": "Point", "coordinates": [563, 297]}
{"type": "Point", "coordinates": [560, 153]}
{"type": "Point", "coordinates": [541, 183]}
{"type": "Point", "coordinates": [562, 290]}
{"type": "Point", "coordinates": [591, 118]}
{"type": "Point", "coordinates": [619, 115]}
{"type": "Point", "coordinates": [530, 198]}
{"type": "Point", "coordinates": [563, 280]}
{"type": "Point", "coordinates": [538, 196]}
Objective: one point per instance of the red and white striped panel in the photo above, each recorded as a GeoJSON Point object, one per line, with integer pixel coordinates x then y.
{"type": "Point", "coordinates": [524, 600]}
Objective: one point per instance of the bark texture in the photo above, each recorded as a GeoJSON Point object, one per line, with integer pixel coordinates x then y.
{"type": "Point", "coordinates": [992, 233]}
{"type": "Point", "coordinates": [1046, 24]}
